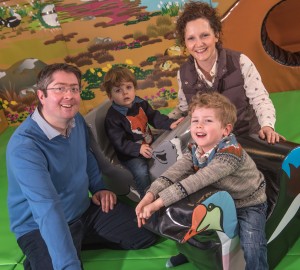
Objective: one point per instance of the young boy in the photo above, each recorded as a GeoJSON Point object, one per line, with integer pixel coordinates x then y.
{"type": "Point", "coordinates": [127, 124]}
{"type": "Point", "coordinates": [215, 158]}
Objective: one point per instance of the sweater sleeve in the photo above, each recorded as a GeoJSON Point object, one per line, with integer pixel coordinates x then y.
{"type": "Point", "coordinates": [117, 135]}
{"type": "Point", "coordinates": [28, 165]}
{"type": "Point", "coordinates": [257, 93]}
{"type": "Point", "coordinates": [221, 166]}
{"type": "Point", "coordinates": [96, 182]}
{"type": "Point", "coordinates": [181, 169]}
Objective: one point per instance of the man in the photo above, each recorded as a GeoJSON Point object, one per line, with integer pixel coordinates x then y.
{"type": "Point", "coordinates": [50, 174]}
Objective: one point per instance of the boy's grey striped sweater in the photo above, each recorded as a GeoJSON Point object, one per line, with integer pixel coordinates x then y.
{"type": "Point", "coordinates": [231, 170]}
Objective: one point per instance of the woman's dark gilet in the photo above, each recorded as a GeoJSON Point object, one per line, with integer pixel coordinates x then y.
{"type": "Point", "coordinates": [229, 82]}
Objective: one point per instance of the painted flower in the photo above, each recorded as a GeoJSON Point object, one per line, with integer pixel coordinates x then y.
{"type": "Point", "coordinates": [105, 69]}
{"type": "Point", "coordinates": [128, 61]}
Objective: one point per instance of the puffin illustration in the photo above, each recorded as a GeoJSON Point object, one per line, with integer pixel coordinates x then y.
{"type": "Point", "coordinates": [12, 21]}
{"type": "Point", "coordinates": [218, 213]}
{"type": "Point", "coordinates": [205, 218]}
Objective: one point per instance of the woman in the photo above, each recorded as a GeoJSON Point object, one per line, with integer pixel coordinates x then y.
{"type": "Point", "coordinates": [211, 67]}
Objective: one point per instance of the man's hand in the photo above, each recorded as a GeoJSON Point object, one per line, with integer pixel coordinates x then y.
{"type": "Point", "coordinates": [268, 134]}
{"type": "Point", "coordinates": [106, 199]}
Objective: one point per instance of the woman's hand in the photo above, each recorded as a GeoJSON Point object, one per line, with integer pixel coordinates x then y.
{"type": "Point", "coordinates": [269, 134]}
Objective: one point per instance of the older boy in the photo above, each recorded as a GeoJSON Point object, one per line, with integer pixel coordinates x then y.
{"type": "Point", "coordinates": [215, 158]}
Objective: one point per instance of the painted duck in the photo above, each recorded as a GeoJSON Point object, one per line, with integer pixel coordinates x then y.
{"type": "Point", "coordinates": [218, 213]}
{"type": "Point", "coordinates": [12, 21]}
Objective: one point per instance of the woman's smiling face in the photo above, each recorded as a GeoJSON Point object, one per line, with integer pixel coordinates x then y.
{"type": "Point", "coordinates": [200, 41]}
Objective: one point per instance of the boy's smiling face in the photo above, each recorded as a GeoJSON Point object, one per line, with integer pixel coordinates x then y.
{"type": "Point", "coordinates": [206, 128]}
{"type": "Point", "coordinates": [124, 94]}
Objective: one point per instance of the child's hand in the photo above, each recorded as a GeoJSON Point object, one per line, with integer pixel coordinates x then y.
{"type": "Point", "coordinates": [146, 151]}
{"type": "Point", "coordinates": [148, 198]}
{"type": "Point", "coordinates": [176, 123]}
{"type": "Point", "coordinates": [141, 221]}
{"type": "Point", "coordinates": [151, 208]}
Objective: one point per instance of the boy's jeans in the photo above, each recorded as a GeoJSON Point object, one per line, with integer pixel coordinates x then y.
{"type": "Point", "coordinates": [252, 221]}
{"type": "Point", "coordinates": [140, 170]}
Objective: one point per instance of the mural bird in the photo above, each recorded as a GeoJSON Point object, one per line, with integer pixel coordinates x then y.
{"type": "Point", "coordinates": [13, 21]}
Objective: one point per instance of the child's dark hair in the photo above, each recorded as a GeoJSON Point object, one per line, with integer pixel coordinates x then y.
{"type": "Point", "coordinates": [115, 76]}
{"type": "Point", "coordinates": [226, 111]}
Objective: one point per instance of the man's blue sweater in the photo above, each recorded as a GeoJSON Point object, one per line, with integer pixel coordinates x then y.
{"type": "Point", "coordinates": [48, 185]}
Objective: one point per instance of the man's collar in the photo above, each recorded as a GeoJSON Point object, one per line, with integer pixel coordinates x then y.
{"type": "Point", "coordinates": [49, 131]}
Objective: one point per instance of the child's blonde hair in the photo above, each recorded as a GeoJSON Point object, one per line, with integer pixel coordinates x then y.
{"type": "Point", "coordinates": [225, 110]}
{"type": "Point", "coordinates": [115, 76]}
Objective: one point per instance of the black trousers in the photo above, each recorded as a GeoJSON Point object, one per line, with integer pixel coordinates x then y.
{"type": "Point", "coordinates": [116, 229]}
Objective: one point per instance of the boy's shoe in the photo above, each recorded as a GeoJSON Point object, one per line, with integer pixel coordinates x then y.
{"type": "Point", "coordinates": [176, 260]}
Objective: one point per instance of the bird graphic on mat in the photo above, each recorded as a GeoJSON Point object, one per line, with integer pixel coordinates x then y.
{"type": "Point", "coordinates": [218, 213]}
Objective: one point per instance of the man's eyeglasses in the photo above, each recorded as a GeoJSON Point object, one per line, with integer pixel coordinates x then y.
{"type": "Point", "coordinates": [64, 89]}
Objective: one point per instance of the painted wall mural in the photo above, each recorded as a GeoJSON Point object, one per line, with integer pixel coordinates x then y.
{"type": "Point", "coordinates": [93, 35]}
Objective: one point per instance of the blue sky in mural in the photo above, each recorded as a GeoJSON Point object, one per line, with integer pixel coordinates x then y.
{"type": "Point", "coordinates": [152, 5]}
